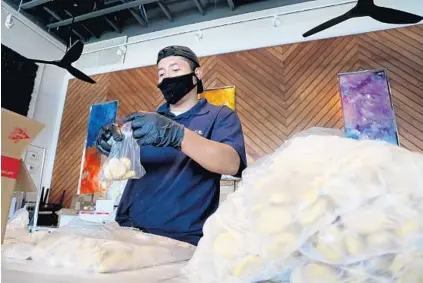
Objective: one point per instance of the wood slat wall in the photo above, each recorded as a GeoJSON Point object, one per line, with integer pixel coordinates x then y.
{"type": "Point", "coordinates": [279, 91]}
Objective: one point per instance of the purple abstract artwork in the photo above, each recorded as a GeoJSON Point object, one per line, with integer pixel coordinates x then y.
{"type": "Point", "coordinates": [367, 106]}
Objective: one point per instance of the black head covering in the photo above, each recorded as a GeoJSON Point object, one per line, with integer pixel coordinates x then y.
{"type": "Point", "coordinates": [185, 52]}
{"type": "Point", "coordinates": [176, 50]}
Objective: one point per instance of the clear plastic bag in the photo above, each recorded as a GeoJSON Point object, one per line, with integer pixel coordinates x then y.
{"type": "Point", "coordinates": [123, 161]}
{"type": "Point", "coordinates": [404, 267]}
{"type": "Point", "coordinates": [387, 224]}
{"type": "Point", "coordinates": [19, 242]}
{"type": "Point", "coordinates": [19, 220]}
{"type": "Point", "coordinates": [374, 271]}
{"type": "Point", "coordinates": [105, 248]}
{"type": "Point", "coordinates": [319, 131]}
{"type": "Point", "coordinates": [315, 182]}
{"type": "Point", "coordinates": [115, 190]}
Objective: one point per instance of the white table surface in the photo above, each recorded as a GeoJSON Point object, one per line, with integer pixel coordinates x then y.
{"type": "Point", "coordinates": [31, 272]}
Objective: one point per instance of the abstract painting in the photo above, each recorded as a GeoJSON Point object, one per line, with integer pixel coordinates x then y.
{"type": "Point", "coordinates": [220, 96]}
{"type": "Point", "coordinates": [367, 106]}
{"type": "Point", "coordinates": [100, 115]}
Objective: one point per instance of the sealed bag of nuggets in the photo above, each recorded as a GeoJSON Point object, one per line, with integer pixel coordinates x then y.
{"type": "Point", "coordinates": [124, 160]}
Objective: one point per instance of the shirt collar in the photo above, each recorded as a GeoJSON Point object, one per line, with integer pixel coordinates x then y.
{"type": "Point", "coordinates": [198, 109]}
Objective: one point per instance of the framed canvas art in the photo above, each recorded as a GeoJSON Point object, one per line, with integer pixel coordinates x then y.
{"type": "Point", "coordinates": [367, 106]}
{"type": "Point", "coordinates": [220, 96]}
{"type": "Point", "coordinates": [100, 115]}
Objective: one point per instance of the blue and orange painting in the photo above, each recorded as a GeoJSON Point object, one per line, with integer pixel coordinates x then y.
{"type": "Point", "coordinates": [100, 115]}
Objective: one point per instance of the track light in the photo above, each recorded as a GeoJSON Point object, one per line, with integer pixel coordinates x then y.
{"type": "Point", "coordinates": [276, 21]}
{"type": "Point", "coordinates": [199, 35]}
{"type": "Point", "coordinates": [9, 23]}
{"type": "Point", "coordinates": [121, 50]}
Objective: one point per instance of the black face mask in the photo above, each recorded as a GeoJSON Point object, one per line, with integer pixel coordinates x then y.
{"type": "Point", "coordinates": [173, 89]}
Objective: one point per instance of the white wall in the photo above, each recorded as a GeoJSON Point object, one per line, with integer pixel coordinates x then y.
{"type": "Point", "coordinates": [248, 31]}
{"type": "Point", "coordinates": [48, 97]}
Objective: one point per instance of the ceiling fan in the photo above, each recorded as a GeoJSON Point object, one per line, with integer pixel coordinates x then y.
{"type": "Point", "coordinates": [71, 56]}
{"type": "Point", "coordinates": [367, 8]}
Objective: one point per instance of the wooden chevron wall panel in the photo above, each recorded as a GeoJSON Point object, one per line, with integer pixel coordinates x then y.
{"type": "Point", "coordinates": [279, 91]}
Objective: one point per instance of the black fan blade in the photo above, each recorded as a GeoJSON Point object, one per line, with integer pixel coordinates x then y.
{"type": "Point", "coordinates": [392, 16]}
{"type": "Point", "coordinates": [44, 62]}
{"type": "Point", "coordinates": [73, 54]}
{"type": "Point", "coordinates": [329, 24]}
{"type": "Point", "coordinates": [75, 72]}
{"type": "Point", "coordinates": [79, 75]}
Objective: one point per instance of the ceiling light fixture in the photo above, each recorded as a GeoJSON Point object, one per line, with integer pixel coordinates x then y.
{"type": "Point", "coordinates": [121, 50]}
{"type": "Point", "coordinates": [199, 35]}
{"type": "Point", "coordinates": [9, 23]}
{"type": "Point", "coordinates": [276, 21]}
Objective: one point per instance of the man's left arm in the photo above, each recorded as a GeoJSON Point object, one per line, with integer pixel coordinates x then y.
{"type": "Point", "coordinates": [225, 152]}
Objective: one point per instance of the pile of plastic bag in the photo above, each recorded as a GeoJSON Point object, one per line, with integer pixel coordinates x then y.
{"type": "Point", "coordinates": [107, 248]}
{"type": "Point", "coordinates": [87, 246]}
{"type": "Point", "coordinates": [320, 209]}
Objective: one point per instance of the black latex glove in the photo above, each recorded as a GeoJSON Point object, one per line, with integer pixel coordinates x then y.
{"type": "Point", "coordinates": [155, 129]}
{"type": "Point", "coordinates": [103, 142]}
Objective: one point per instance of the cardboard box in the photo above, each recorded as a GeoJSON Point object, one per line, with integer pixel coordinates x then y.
{"type": "Point", "coordinates": [17, 132]}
